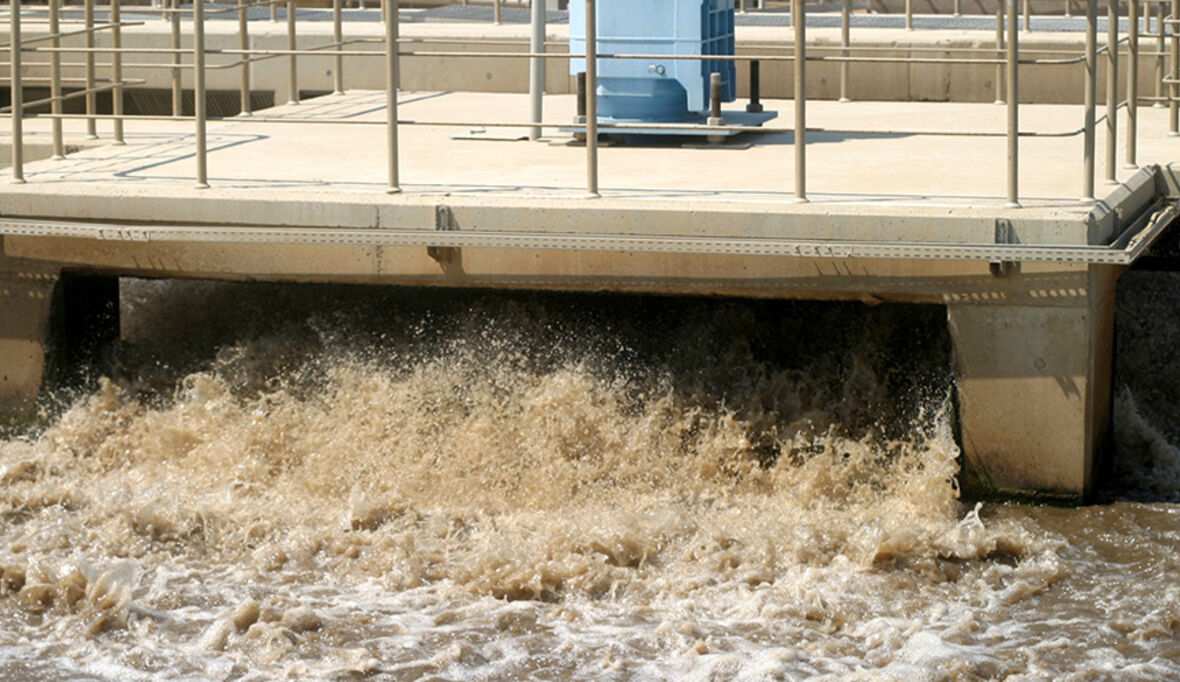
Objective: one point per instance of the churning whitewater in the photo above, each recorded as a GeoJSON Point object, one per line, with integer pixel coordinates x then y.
{"type": "Point", "coordinates": [323, 483]}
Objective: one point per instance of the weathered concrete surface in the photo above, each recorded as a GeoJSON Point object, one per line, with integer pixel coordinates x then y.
{"type": "Point", "coordinates": [26, 303]}
{"type": "Point", "coordinates": [1034, 384]}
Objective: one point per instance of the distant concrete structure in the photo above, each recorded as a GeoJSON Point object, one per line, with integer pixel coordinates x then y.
{"type": "Point", "coordinates": [911, 201]}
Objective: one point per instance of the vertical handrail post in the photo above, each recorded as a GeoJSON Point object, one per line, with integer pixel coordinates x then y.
{"type": "Point", "coordinates": [244, 105]}
{"type": "Point", "coordinates": [116, 71]}
{"type": "Point", "coordinates": [1132, 84]}
{"type": "Point", "coordinates": [496, 12]}
{"type": "Point", "coordinates": [292, 75]}
{"type": "Point", "coordinates": [392, 66]}
{"type": "Point", "coordinates": [199, 92]}
{"type": "Point", "coordinates": [592, 100]}
{"type": "Point", "coordinates": [88, 20]}
{"type": "Point", "coordinates": [845, 42]}
{"type": "Point", "coordinates": [909, 14]}
{"type": "Point", "coordinates": [1160, 48]}
{"type": "Point", "coordinates": [799, 19]}
{"type": "Point", "coordinates": [1091, 92]}
{"type": "Point", "coordinates": [1028, 16]}
{"type": "Point", "coordinates": [1000, 52]}
{"type": "Point", "coordinates": [1112, 86]}
{"type": "Point", "coordinates": [537, 68]}
{"type": "Point", "coordinates": [18, 98]}
{"type": "Point", "coordinates": [177, 92]}
{"type": "Point", "coordinates": [1174, 86]}
{"type": "Point", "coordinates": [338, 38]}
{"type": "Point", "coordinates": [957, 8]}
{"type": "Point", "coordinates": [1013, 64]}
{"type": "Point", "coordinates": [274, 10]}
{"type": "Point", "coordinates": [59, 148]}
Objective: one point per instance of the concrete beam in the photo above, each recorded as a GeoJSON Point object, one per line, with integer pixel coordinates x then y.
{"type": "Point", "coordinates": [1033, 384]}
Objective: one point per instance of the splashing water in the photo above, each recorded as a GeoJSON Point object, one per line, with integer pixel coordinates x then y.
{"type": "Point", "coordinates": [321, 483]}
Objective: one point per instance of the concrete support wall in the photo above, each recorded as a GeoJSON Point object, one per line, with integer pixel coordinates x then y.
{"type": "Point", "coordinates": [27, 294]}
{"type": "Point", "coordinates": [881, 81]}
{"type": "Point", "coordinates": [1034, 388]}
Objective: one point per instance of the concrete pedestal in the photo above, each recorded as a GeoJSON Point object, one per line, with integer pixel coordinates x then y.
{"type": "Point", "coordinates": [1033, 372]}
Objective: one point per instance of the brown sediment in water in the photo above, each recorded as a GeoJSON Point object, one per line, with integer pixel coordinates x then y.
{"type": "Point", "coordinates": [517, 485]}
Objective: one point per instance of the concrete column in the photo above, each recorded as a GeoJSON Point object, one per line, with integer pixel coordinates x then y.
{"type": "Point", "coordinates": [1033, 372]}
{"type": "Point", "coordinates": [27, 295]}
{"type": "Point", "coordinates": [53, 329]}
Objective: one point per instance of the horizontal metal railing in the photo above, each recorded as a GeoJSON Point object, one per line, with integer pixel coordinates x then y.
{"type": "Point", "coordinates": [1006, 56]}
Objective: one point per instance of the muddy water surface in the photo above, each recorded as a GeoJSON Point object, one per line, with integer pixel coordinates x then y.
{"type": "Point", "coordinates": [320, 483]}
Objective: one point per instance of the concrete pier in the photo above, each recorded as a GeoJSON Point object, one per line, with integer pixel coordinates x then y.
{"type": "Point", "coordinates": [27, 291]}
{"type": "Point", "coordinates": [915, 213]}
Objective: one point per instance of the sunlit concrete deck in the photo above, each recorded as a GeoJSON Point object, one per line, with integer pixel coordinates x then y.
{"type": "Point", "coordinates": [346, 163]}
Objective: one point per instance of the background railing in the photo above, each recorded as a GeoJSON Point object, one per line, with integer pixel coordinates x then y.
{"type": "Point", "coordinates": [1006, 56]}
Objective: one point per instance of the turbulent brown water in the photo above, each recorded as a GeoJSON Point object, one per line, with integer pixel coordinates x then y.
{"type": "Point", "coordinates": [323, 483]}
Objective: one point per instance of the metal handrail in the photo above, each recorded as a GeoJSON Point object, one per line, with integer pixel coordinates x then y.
{"type": "Point", "coordinates": [1007, 60]}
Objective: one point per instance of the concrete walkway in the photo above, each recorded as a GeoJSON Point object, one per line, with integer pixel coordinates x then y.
{"type": "Point", "coordinates": [877, 171]}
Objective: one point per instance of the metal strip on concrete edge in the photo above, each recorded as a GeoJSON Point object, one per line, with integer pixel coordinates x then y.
{"type": "Point", "coordinates": [1128, 247]}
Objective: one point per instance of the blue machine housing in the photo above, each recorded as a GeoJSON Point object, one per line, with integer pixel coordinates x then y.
{"type": "Point", "coordinates": [653, 90]}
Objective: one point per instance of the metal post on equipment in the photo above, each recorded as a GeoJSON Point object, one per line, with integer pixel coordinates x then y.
{"type": "Point", "coordinates": [59, 148]}
{"type": "Point", "coordinates": [88, 19]}
{"type": "Point", "coordinates": [392, 66]}
{"type": "Point", "coordinates": [537, 68]}
{"type": "Point", "coordinates": [18, 99]}
{"type": "Point", "coordinates": [1132, 85]}
{"type": "Point", "coordinates": [592, 100]}
{"type": "Point", "coordinates": [116, 71]}
{"type": "Point", "coordinates": [1028, 16]}
{"type": "Point", "coordinates": [292, 76]}
{"type": "Point", "coordinates": [958, 8]}
{"type": "Point", "coordinates": [199, 91]}
{"type": "Point", "coordinates": [845, 42]}
{"type": "Point", "coordinates": [714, 99]}
{"type": "Point", "coordinates": [1013, 64]}
{"type": "Point", "coordinates": [244, 43]}
{"type": "Point", "coordinates": [755, 105]}
{"type": "Point", "coordinates": [909, 14]}
{"type": "Point", "coordinates": [1112, 86]}
{"type": "Point", "coordinates": [496, 12]}
{"type": "Point", "coordinates": [1091, 90]}
{"type": "Point", "coordinates": [177, 93]}
{"type": "Point", "coordinates": [580, 115]}
{"type": "Point", "coordinates": [799, 19]}
{"type": "Point", "coordinates": [338, 39]}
